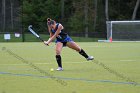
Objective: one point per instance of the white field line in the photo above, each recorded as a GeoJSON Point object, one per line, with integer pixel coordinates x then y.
{"type": "Point", "coordinates": [97, 46]}
{"type": "Point", "coordinates": [44, 63]}
{"type": "Point", "coordinates": [63, 63]}
{"type": "Point", "coordinates": [128, 60]}
{"type": "Point", "coordinates": [103, 46]}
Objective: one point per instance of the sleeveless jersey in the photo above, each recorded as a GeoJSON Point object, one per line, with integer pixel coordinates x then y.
{"type": "Point", "coordinates": [62, 35]}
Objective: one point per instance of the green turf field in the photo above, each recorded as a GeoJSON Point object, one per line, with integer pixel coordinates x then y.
{"type": "Point", "coordinates": [25, 68]}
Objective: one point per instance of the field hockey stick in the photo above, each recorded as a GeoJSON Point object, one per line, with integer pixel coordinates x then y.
{"type": "Point", "coordinates": [34, 33]}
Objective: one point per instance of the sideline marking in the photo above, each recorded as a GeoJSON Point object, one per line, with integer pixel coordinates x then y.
{"type": "Point", "coordinates": [67, 78]}
{"type": "Point", "coordinates": [48, 63]}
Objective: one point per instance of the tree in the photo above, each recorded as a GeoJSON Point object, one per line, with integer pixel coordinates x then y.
{"type": "Point", "coordinates": [62, 8]}
{"type": "Point", "coordinates": [86, 18]}
{"type": "Point", "coordinates": [106, 10]}
{"type": "Point", "coordinates": [3, 14]}
{"type": "Point", "coordinates": [135, 10]}
{"type": "Point", "coordinates": [12, 22]}
{"type": "Point", "coordinates": [95, 13]}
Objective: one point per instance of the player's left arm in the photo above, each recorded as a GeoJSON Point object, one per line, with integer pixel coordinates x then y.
{"type": "Point", "coordinates": [60, 27]}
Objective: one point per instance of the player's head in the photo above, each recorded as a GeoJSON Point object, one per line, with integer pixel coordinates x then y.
{"type": "Point", "coordinates": [48, 21]}
{"type": "Point", "coordinates": [52, 24]}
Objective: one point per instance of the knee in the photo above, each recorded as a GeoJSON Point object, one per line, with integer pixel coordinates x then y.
{"type": "Point", "coordinates": [58, 52]}
{"type": "Point", "coordinates": [78, 49]}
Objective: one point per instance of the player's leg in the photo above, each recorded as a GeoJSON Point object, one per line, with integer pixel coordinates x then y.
{"type": "Point", "coordinates": [58, 49]}
{"type": "Point", "coordinates": [75, 46]}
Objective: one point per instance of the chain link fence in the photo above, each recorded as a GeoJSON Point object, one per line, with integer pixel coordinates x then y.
{"type": "Point", "coordinates": [13, 30]}
{"type": "Point", "coordinates": [10, 19]}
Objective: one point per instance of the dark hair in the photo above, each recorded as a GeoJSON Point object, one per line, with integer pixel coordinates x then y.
{"type": "Point", "coordinates": [51, 22]}
{"type": "Point", "coordinates": [48, 19]}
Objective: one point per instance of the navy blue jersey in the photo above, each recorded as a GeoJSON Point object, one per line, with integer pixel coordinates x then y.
{"type": "Point", "coordinates": [62, 35]}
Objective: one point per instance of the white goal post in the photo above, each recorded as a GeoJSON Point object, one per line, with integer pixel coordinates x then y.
{"type": "Point", "coordinates": [123, 30]}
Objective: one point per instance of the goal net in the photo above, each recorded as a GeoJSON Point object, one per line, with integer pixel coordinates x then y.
{"type": "Point", "coordinates": [123, 30]}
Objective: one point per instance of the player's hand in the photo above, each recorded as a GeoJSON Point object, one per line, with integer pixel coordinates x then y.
{"type": "Point", "coordinates": [46, 43]}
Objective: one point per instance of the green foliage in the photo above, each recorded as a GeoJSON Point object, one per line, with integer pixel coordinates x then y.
{"type": "Point", "coordinates": [35, 12]}
{"type": "Point", "coordinates": [121, 9]}
{"type": "Point", "coordinates": [75, 23]}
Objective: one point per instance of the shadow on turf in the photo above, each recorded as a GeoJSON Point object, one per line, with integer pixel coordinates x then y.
{"type": "Point", "coordinates": [58, 80]}
{"type": "Point", "coordinates": [115, 72]}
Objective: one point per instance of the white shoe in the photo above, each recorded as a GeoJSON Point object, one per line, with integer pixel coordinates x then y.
{"type": "Point", "coordinates": [59, 69]}
{"type": "Point", "coordinates": [90, 58]}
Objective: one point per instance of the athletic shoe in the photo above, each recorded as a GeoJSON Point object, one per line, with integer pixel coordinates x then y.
{"type": "Point", "coordinates": [90, 58]}
{"type": "Point", "coordinates": [59, 69]}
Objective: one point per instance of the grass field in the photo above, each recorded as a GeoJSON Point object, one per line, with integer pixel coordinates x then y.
{"type": "Point", "coordinates": [116, 69]}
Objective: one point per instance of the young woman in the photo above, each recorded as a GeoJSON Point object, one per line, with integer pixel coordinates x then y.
{"type": "Point", "coordinates": [62, 39]}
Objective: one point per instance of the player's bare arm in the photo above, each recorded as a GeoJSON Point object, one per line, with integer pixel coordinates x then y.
{"type": "Point", "coordinates": [60, 27]}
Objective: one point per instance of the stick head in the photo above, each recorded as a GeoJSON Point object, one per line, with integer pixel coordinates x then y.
{"type": "Point", "coordinates": [30, 26]}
